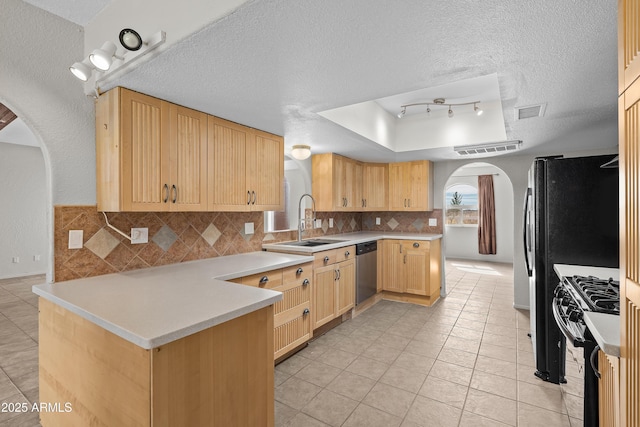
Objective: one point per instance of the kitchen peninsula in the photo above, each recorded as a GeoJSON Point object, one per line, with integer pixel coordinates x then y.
{"type": "Point", "coordinates": [170, 345]}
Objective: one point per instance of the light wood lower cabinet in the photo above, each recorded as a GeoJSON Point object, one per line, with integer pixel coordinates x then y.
{"type": "Point", "coordinates": [221, 376]}
{"type": "Point", "coordinates": [609, 390]}
{"type": "Point", "coordinates": [334, 278]}
{"type": "Point", "coordinates": [293, 314]}
{"type": "Point", "coordinates": [411, 270]}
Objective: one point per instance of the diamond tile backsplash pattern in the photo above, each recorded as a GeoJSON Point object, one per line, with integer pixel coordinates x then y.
{"type": "Point", "coordinates": [185, 236]}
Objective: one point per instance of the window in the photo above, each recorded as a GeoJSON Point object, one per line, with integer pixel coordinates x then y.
{"type": "Point", "coordinates": [461, 205]}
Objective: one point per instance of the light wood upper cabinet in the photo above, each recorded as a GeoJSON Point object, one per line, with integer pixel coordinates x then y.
{"type": "Point", "coordinates": [150, 154]}
{"type": "Point", "coordinates": [246, 168]}
{"type": "Point", "coordinates": [628, 43]}
{"type": "Point", "coordinates": [410, 186]}
{"type": "Point", "coordinates": [336, 183]}
{"type": "Point", "coordinates": [375, 180]}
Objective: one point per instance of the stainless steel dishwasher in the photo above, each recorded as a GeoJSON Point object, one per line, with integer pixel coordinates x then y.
{"type": "Point", "coordinates": [366, 270]}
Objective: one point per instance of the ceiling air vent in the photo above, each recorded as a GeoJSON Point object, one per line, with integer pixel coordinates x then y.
{"type": "Point", "coordinates": [530, 111]}
{"type": "Point", "coordinates": [488, 149]}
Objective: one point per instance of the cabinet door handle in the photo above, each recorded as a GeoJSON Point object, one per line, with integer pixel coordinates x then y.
{"type": "Point", "coordinates": [174, 189]}
{"type": "Point", "coordinates": [338, 274]}
{"type": "Point", "coordinates": [248, 197]}
{"type": "Point", "coordinates": [409, 202]}
{"type": "Point", "coordinates": [405, 259]}
{"type": "Point", "coordinates": [299, 271]}
{"type": "Point", "coordinates": [166, 193]}
{"type": "Point", "coordinates": [335, 275]}
{"type": "Point", "coordinates": [263, 280]}
{"type": "Point", "coordinates": [400, 247]}
{"type": "Point", "coordinates": [255, 197]}
{"type": "Point", "coordinates": [305, 282]}
{"type": "Point", "coordinates": [326, 259]}
{"type": "Point", "coordinates": [365, 203]}
{"type": "Point", "coordinates": [305, 311]}
{"type": "Point", "coordinates": [405, 203]}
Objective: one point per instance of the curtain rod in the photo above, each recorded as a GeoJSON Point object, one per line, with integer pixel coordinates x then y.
{"type": "Point", "coordinates": [471, 176]}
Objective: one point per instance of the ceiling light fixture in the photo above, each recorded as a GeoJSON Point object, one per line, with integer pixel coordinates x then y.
{"type": "Point", "coordinates": [439, 102]}
{"type": "Point", "coordinates": [130, 39]}
{"type": "Point", "coordinates": [300, 152]}
{"type": "Point", "coordinates": [82, 70]}
{"type": "Point", "coordinates": [103, 58]}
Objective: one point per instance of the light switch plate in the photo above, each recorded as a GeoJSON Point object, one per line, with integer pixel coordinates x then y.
{"type": "Point", "coordinates": [433, 222]}
{"type": "Point", "coordinates": [248, 228]}
{"type": "Point", "coordinates": [330, 222]}
{"type": "Point", "coordinates": [377, 220]}
{"type": "Point", "coordinates": [75, 239]}
{"type": "Point", "coordinates": [139, 235]}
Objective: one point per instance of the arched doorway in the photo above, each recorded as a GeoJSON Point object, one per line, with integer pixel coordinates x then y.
{"type": "Point", "coordinates": [460, 204]}
{"type": "Point", "coordinates": [26, 227]}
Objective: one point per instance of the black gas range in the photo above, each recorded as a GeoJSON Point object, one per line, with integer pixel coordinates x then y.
{"type": "Point", "coordinates": [574, 296]}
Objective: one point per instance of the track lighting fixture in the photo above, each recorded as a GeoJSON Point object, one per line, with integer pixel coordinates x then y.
{"type": "Point", "coordinates": [439, 102]}
{"type": "Point", "coordinates": [102, 60]}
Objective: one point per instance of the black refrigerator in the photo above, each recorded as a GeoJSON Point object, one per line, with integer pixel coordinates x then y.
{"type": "Point", "coordinates": [570, 217]}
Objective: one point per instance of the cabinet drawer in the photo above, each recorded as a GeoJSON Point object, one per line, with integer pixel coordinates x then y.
{"type": "Point", "coordinates": [291, 334]}
{"type": "Point", "coordinates": [294, 295]}
{"type": "Point", "coordinates": [343, 254]}
{"type": "Point", "coordinates": [324, 258]}
{"type": "Point", "coordinates": [267, 280]}
{"type": "Point", "coordinates": [297, 273]}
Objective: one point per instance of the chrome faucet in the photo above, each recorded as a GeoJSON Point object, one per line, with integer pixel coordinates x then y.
{"type": "Point", "coordinates": [301, 220]}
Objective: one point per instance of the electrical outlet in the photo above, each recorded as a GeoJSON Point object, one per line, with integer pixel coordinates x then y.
{"type": "Point", "coordinates": [75, 239]}
{"type": "Point", "coordinates": [248, 228]}
{"type": "Point", "coordinates": [330, 222]}
{"type": "Point", "coordinates": [15, 259]}
{"type": "Point", "coordinates": [433, 222]}
{"type": "Point", "coordinates": [318, 223]}
{"type": "Point", "coordinates": [377, 220]}
{"type": "Point", "coordinates": [139, 235]}
{"type": "Point", "coordinates": [36, 257]}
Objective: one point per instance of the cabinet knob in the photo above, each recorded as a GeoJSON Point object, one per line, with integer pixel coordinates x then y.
{"type": "Point", "coordinates": [416, 245]}
{"type": "Point", "coordinates": [326, 259]}
{"type": "Point", "coordinates": [305, 282]}
{"type": "Point", "coordinates": [299, 271]}
{"type": "Point", "coordinates": [264, 280]}
{"type": "Point", "coordinates": [346, 254]}
{"type": "Point", "coordinates": [305, 311]}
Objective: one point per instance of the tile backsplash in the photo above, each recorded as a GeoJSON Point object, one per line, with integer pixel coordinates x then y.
{"type": "Point", "coordinates": [184, 236]}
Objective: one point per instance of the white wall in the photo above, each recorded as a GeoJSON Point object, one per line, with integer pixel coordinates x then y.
{"type": "Point", "coordinates": [23, 211]}
{"type": "Point", "coordinates": [462, 242]}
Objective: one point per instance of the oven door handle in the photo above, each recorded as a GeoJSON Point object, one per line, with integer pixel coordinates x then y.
{"type": "Point", "coordinates": [592, 360]}
{"type": "Point", "coordinates": [561, 324]}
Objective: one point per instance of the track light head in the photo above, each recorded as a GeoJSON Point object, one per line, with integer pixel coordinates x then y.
{"type": "Point", "coordinates": [103, 58]}
{"type": "Point", "coordinates": [130, 39]}
{"type": "Point", "coordinates": [477, 110]}
{"type": "Point", "coordinates": [402, 112]}
{"type": "Point", "coordinates": [82, 70]}
{"type": "Point", "coordinates": [450, 112]}
{"type": "Point", "coordinates": [428, 109]}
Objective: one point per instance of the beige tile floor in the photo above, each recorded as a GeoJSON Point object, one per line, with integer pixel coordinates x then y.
{"type": "Point", "coordinates": [467, 361]}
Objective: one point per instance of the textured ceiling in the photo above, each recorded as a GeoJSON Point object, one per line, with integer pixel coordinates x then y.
{"type": "Point", "coordinates": [76, 11]}
{"type": "Point", "coordinates": [274, 64]}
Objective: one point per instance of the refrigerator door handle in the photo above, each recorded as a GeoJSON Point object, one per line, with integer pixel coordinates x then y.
{"type": "Point", "coordinates": [526, 237]}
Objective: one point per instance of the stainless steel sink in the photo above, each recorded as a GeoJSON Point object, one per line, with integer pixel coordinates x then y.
{"type": "Point", "coordinates": [311, 242]}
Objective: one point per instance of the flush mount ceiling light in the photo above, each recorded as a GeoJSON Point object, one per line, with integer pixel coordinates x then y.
{"type": "Point", "coordinates": [300, 151]}
{"type": "Point", "coordinates": [439, 102]}
{"type": "Point", "coordinates": [103, 58]}
{"type": "Point", "coordinates": [130, 39]}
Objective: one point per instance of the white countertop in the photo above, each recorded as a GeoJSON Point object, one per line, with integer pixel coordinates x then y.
{"type": "Point", "coordinates": [605, 328]}
{"type": "Point", "coordinates": [154, 306]}
{"type": "Point", "coordinates": [348, 239]}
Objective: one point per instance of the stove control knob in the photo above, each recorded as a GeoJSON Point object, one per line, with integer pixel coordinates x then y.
{"type": "Point", "coordinates": [575, 315]}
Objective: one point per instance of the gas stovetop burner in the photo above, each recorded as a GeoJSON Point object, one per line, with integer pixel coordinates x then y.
{"type": "Point", "coordinates": [601, 295]}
